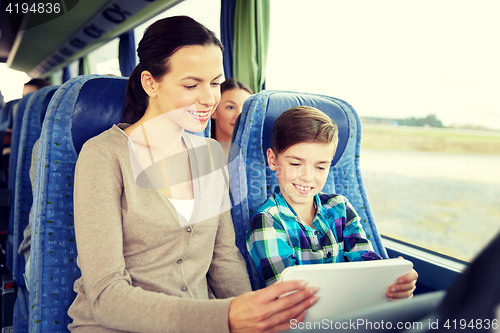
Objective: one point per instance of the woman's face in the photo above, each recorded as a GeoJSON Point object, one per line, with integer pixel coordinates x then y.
{"type": "Point", "coordinates": [230, 107]}
{"type": "Point", "coordinates": [190, 92]}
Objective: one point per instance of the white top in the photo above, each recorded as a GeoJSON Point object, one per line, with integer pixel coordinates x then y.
{"type": "Point", "coordinates": [183, 206]}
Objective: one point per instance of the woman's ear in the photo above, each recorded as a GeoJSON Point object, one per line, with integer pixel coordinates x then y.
{"type": "Point", "coordinates": [271, 159]}
{"type": "Point", "coordinates": [148, 83]}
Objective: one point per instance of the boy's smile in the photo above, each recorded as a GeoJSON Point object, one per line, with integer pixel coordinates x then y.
{"type": "Point", "coordinates": [301, 171]}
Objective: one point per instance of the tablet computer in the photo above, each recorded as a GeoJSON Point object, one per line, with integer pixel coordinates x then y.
{"type": "Point", "coordinates": [348, 286]}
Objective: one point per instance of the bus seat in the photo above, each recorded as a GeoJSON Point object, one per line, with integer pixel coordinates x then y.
{"type": "Point", "coordinates": [252, 182]}
{"type": "Point", "coordinates": [81, 108]}
{"type": "Point", "coordinates": [23, 196]}
{"type": "Point", "coordinates": [5, 119]}
{"type": "Point", "coordinates": [6, 114]}
{"type": "Point", "coordinates": [17, 117]}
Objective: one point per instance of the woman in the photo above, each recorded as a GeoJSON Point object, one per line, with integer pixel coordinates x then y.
{"type": "Point", "coordinates": [233, 95]}
{"type": "Point", "coordinates": [151, 258]}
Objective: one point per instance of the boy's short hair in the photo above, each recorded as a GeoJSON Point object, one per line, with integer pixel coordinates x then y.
{"type": "Point", "coordinates": [303, 124]}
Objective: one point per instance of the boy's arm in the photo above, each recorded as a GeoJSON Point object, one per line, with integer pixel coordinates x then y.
{"type": "Point", "coordinates": [269, 248]}
{"type": "Point", "coordinates": [356, 245]}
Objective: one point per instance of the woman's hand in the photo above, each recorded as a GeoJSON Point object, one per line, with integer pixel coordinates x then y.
{"type": "Point", "coordinates": [404, 287]}
{"type": "Point", "coordinates": [264, 311]}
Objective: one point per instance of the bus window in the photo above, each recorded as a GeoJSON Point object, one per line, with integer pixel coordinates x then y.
{"type": "Point", "coordinates": [424, 78]}
{"type": "Point", "coordinates": [104, 60]}
{"type": "Point", "coordinates": [12, 82]}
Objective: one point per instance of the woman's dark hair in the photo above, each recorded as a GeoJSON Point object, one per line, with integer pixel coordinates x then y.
{"type": "Point", "coordinates": [302, 124]}
{"type": "Point", "coordinates": [228, 84]}
{"type": "Point", "coordinates": [161, 40]}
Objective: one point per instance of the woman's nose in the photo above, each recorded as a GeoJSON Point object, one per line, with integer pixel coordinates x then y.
{"type": "Point", "coordinates": [208, 97]}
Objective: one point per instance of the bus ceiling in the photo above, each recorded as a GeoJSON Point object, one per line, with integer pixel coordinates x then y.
{"type": "Point", "coordinates": [40, 38]}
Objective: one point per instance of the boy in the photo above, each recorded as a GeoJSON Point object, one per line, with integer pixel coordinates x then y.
{"type": "Point", "coordinates": [299, 225]}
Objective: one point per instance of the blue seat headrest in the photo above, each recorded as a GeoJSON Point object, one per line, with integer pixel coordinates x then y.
{"type": "Point", "coordinates": [45, 105]}
{"type": "Point", "coordinates": [98, 107]}
{"type": "Point", "coordinates": [280, 102]}
{"type": "Point", "coordinates": [7, 110]}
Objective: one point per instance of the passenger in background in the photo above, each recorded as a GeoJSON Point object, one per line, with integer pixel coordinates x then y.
{"type": "Point", "coordinates": [233, 95]}
{"type": "Point", "coordinates": [34, 84]}
{"type": "Point", "coordinates": [30, 86]}
{"type": "Point", "coordinates": [154, 258]}
{"type": "Point", "coordinates": [299, 225]}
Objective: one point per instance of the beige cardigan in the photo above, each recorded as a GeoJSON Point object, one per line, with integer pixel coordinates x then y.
{"type": "Point", "coordinates": [141, 270]}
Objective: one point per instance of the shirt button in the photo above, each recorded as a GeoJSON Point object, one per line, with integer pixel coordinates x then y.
{"type": "Point", "coordinates": [184, 288]}
{"type": "Point", "coordinates": [316, 232]}
{"type": "Point", "coordinates": [179, 261]}
{"type": "Point", "coordinates": [188, 229]}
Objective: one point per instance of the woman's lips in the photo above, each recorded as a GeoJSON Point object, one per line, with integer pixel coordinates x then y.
{"type": "Point", "coordinates": [200, 115]}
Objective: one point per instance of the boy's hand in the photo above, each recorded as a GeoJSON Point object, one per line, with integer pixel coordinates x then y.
{"type": "Point", "coordinates": [404, 287]}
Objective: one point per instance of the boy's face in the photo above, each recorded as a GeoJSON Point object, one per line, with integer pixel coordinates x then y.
{"type": "Point", "coordinates": [302, 171]}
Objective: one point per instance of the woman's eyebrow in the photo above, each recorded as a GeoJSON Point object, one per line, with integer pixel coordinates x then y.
{"type": "Point", "coordinates": [190, 77]}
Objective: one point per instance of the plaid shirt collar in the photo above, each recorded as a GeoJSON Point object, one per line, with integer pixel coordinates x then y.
{"type": "Point", "coordinates": [287, 213]}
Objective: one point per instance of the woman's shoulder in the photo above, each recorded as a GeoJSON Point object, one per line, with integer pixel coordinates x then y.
{"type": "Point", "coordinates": [108, 138]}
{"type": "Point", "coordinates": [112, 138]}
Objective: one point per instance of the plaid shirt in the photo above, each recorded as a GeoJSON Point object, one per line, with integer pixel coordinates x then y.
{"type": "Point", "coordinates": [278, 239]}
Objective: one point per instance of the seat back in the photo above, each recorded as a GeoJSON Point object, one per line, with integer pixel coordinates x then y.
{"type": "Point", "coordinates": [17, 118]}
{"type": "Point", "coordinates": [252, 182]}
{"type": "Point", "coordinates": [81, 108]}
{"type": "Point", "coordinates": [5, 197]}
{"type": "Point", "coordinates": [22, 195]}
{"type": "Point", "coordinates": [6, 114]}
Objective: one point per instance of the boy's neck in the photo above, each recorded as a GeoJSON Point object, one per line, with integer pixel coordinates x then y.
{"type": "Point", "coordinates": [305, 212]}
{"type": "Point", "coordinates": [307, 217]}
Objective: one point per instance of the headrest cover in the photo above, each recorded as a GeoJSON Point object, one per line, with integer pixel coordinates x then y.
{"type": "Point", "coordinates": [280, 102]}
{"type": "Point", "coordinates": [46, 102]}
{"type": "Point", "coordinates": [98, 107]}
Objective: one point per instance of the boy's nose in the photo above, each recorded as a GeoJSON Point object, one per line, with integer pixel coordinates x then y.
{"type": "Point", "coordinates": [306, 173]}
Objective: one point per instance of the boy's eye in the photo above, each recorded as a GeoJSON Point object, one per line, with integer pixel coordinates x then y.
{"type": "Point", "coordinates": [215, 84]}
{"type": "Point", "coordinates": [190, 87]}
{"type": "Point", "coordinates": [295, 164]}
{"type": "Point", "coordinates": [320, 168]}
